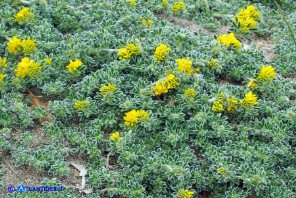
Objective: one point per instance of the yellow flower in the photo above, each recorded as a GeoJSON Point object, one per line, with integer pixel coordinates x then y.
{"type": "Point", "coordinates": [23, 15]}
{"type": "Point", "coordinates": [131, 118]}
{"type": "Point", "coordinates": [249, 100]}
{"type": "Point", "coordinates": [232, 104]}
{"type": "Point", "coordinates": [81, 105]}
{"type": "Point", "coordinates": [115, 136]}
{"type": "Point", "coordinates": [190, 93]}
{"type": "Point", "coordinates": [134, 116]}
{"type": "Point", "coordinates": [164, 3]}
{"type": "Point", "coordinates": [243, 13]}
{"type": "Point", "coordinates": [48, 61]}
{"type": "Point", "coordinates": [27, 67]}
{"type": "Point", "coordinates": [185, 65]}
{"type": "Point", "coordinates": [161, 52]}
{"type": "Point", "coordinates": [178, 6]}
{"type": "Point", "coordinates": [253, 12]}
{"type": "Point", "coordinates": [185, 193]}
{"type": "Point", "coordinates": [247, 18]}
{"type": "Point", "coordinates": [249, 23]}
{"type": "Point", "coordinates": [267, 73]}
{"type": "Point", "coordinates": [222, 103]}
{"type": "Point", "coordinates": [132, 2]}
{"type": "Point", "coordinates": [147, 22]}
{"type": "Point", "coordinates": [74, 65]}
{"type": "Point", "coordinates": [28, 46]}
{"type": "Point", "coordinates": [253, 84]}
{"type": "Point", "coordinates": [222, 171]}
{"type": "Point", "coordinates": [142, 114]}
{"type": "Point", "coordinates": [3, 62]}
{"type": "Point", "coordinates": [221, 97]}
{"type": "Point", "coordinates": [213, 63]}
{"type": "Point", "coordinates": [160, 88]}
{"type": "Point", "coordinates": [217, 106]}
{"type": "Point", "coordinates": [14, 45]}
{"type": "Point", "coordinates": [108, 89]}
{"type": "Point", "coordinates": [246, 24]}
{"type": "Point", "coordinates": [229, 40]}
{"type": "Point", "coordinates": [2, 76]}
{"type": "Point", "coordinates": [123, 54]}
{"type": "Point", "coordinates": [171, 81]}
{"type": "Point", "coordinates": [133, 49]}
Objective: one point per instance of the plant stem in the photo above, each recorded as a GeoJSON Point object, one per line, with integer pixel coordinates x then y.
{"type": "Point", "coordinates": [287, 22]}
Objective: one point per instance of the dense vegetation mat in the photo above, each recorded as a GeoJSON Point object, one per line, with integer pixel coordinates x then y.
{"type": "Point", "coordinates": [143, 106]}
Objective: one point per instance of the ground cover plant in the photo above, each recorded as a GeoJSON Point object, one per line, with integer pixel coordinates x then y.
{"type": "Point", "coordinates": [118, 98]}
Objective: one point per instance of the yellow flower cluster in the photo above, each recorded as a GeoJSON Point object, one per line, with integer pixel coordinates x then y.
{"type": "Point", "coordinates": [81, 105]}
{"type": "Point", "coordinates": [164, 3]}
{"type": "Point", "coordinates": [23, 15]}
{"type": "Point", "coordinates": [3, 62]}
{"type": "Point", "coordinates": [26, 46]}
{"type": "Point", "coordinates": [213, 63]}
{"type": "Point", "coordinates": [224, 103]}
{"type": "Point", "coordinates": [253, 12]}
{"type": "Point", "coordinates": [134, 116]}
{"type": "Point", "coordinates": [133, 49]}
{"type": "Point", "coordinates": [249, 100]}
{"type": "Point", "coordinates": [147, 22]}
{"type": "Point", "coordinates": [178, 6]}
{"type": "Point", "coordinates": [267, 73]}
{"type": "Point", "coordinates": [108, 89]}
{"type": "Point", "coordinates": [229, 40]}
{"type": "Point", "coordinates": [2, 76]}
{"type": "Point", "coordinates": [253, 84]}
{"type": "Point", "coordinates": [190, 93]}
{"type": "Point", "coordinates": [171, 81]}
{"type": "Point", "coordinates": [27, 67]}
{"type": "Point", "coordinates": [14, 45]}
{"type": "Point", "coordinates": [185, 193]}
{"type": "Point", "coordinates": [115, 136]}
{"type": "Point", "coordinates": [160, 88]}
{"type": "Point", "coordinates": [185, 65]}
{"type": "Point", "coordinates": [74, 65]}
{"type": "Point", "coordinates": [163, 86]}
{"type": "Point", "coordinates": [217, 106]}
{"type": "Point", "coordinates": [129, 50]}
{"type": "Point", "coordinates": [247, 18]}
{"type": "Point", "coordinates": [132, 2]}
{"type": "Point", "coordinates": [161, 52]}
{"type": "Point", "coordinates": [232, 104]}
{"type": "Point", "coordinates": [123, 54]}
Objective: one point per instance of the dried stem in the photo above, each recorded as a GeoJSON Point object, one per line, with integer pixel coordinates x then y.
{"type": "Point", "coordinates": [13, 170]}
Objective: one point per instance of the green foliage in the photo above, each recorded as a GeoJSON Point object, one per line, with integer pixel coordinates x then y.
{"type": "Point", "coordinates": [183, 144]}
